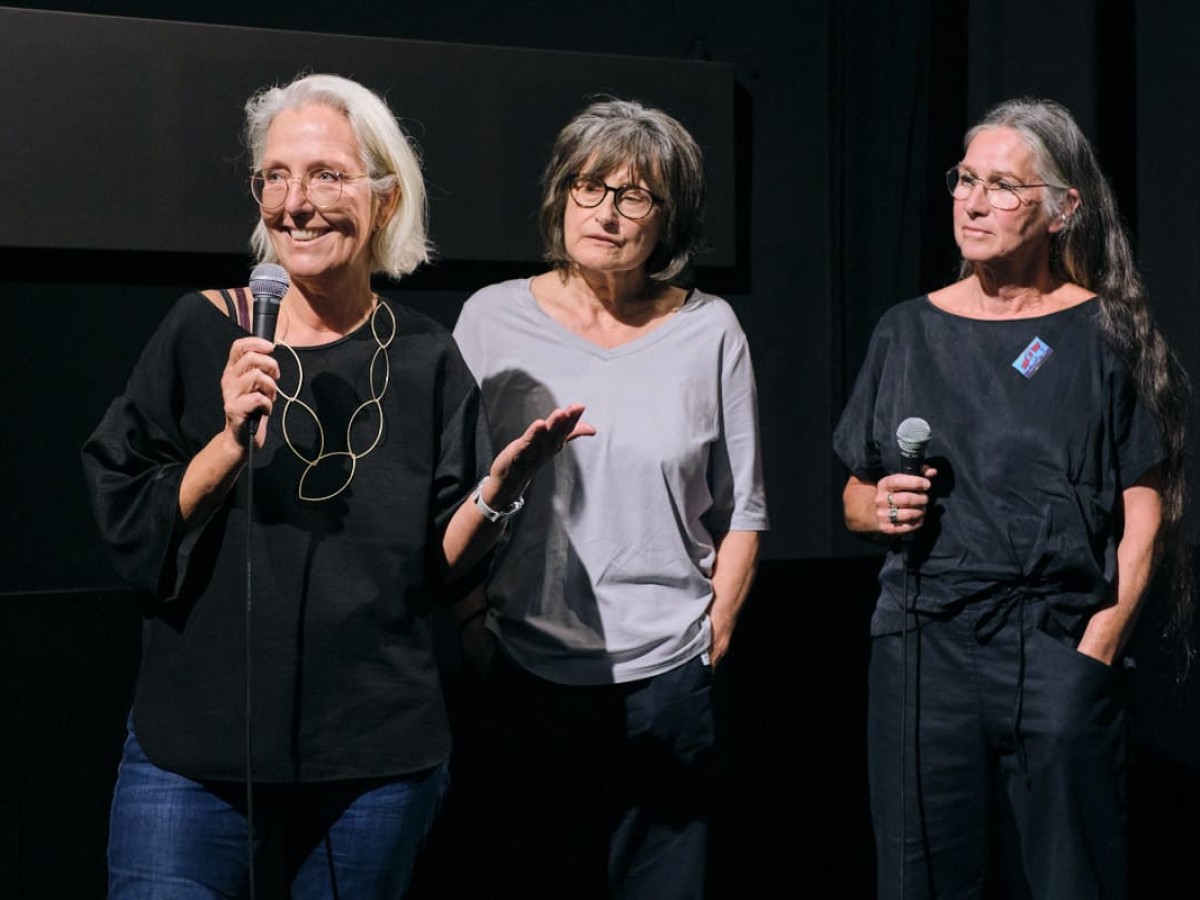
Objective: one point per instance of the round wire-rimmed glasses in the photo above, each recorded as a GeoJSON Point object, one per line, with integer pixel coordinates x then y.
{"type": "Point", "coordinates": [322, 187]}
{"type": "Point", "coordinates": [631, 201]}
{"type": "Point", "coordinates": [1000, 194]}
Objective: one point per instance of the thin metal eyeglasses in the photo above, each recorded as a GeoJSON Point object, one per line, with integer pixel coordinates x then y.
{"type": "Point", "coordinates": [1000, 194]}
{"type": "Point", "coordinates": [322, 187]}
{"type": "Point", "coordinates": [630, 201]}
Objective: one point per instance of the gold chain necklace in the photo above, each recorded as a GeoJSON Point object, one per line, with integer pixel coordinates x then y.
{"type": "Point", "coordinates": [378, 387]}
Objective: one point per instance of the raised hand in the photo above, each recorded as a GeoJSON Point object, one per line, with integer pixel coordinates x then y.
{"type": "Point", "coordinates": [515, 465]}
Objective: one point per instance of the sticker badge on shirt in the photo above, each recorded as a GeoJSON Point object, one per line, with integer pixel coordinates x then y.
{"type": "Point", "coordinates": [1032, 357]}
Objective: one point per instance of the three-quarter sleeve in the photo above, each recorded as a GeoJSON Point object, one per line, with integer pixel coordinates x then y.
{"type": "Point", "coordinates": [463, 457]}
{"type": "Point", "coordinates": [735, 464]}
{"type": "Point", "coordinates": [135, 459]}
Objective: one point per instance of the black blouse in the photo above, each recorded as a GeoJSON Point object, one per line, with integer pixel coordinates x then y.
{"type": "Point", "coordinates": [345, 682]}
{"type": "Point", "coordinates": [1036, 429]}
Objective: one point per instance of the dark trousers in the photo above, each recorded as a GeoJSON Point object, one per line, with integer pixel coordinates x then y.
{"type": "Point", "coordinates": [598, 791]}
{"type": "Point", "coordinates": [1014, 781]}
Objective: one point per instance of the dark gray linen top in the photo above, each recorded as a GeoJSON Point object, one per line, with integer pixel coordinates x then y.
{"type": "Point", "coordinates": [1036, 429]}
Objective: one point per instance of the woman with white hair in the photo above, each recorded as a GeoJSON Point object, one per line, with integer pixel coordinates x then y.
{"type": "Point", "coordinates": [342, 518]}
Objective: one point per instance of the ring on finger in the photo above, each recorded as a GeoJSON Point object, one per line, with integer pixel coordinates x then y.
{"type": "Point", "coordinates": [890, 501]}
{"type": "Point", "coordinates": [893, 515]}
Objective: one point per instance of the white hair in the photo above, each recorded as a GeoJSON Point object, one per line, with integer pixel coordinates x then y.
{"type": "Point", "coordinates": [387, 155]}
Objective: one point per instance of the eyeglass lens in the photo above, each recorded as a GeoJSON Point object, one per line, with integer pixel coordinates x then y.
{"type": "Point", "coordinates": [1000, 196]}
{"type": "Point", "coordinates": [270, 189]}
{"type": "Point", "coordinates": [631, 202]}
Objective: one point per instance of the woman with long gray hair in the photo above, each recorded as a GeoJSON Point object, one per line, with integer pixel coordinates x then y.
{"type": "Point", "coordinates": [1022, 547]}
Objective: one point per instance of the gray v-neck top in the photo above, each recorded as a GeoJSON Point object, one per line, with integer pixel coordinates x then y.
{"type": "Point", "coordinates": [606, 574]}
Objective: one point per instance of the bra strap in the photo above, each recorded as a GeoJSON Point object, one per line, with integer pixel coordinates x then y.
{"type": "Point", "coordinates": [238, 305]}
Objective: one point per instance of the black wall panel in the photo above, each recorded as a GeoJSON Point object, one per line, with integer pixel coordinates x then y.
{"type": "Point", "coordinates": [124, 133]}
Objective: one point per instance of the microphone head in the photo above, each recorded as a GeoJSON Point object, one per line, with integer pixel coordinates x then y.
{"type": "Point", "coordinates": [269, 282]}
{"type": "Point", "coordinates": [913, 435]}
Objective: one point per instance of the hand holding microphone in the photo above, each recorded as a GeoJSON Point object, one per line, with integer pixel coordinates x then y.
{"type": "Point", "coordinates": [250, 370]}
{"type": "Point", "coordinates": [268, 284]}
{"type": "Point", "coordinates": [904, 503]}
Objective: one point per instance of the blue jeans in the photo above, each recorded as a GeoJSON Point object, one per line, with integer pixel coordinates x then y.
{"type": "Point", "coordinates": [172, 838]}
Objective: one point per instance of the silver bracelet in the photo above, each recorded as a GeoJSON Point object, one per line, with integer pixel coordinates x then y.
{"type": "Point", "coordinates": [495, 515]}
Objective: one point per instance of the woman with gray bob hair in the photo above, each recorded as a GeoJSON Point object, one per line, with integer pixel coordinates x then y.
{"type": "Point", "coordinates": [658, 150]}
{"type": "Point", "coordinates": [387, 155]}
{"type": "Point", "coordinates": [617, 592]}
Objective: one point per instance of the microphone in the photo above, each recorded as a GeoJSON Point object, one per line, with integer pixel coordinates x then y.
{"type": "Point", "coordinates": [913, 437]}
{"type": "Point", "coordinates": [268, 284]}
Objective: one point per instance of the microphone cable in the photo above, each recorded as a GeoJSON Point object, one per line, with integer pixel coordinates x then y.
{"type": "Point", "coordinates": [268, 285]}
{"type": "Point", "coordinates": [910, 615]}
{"type": "Point", "coordinates": [249, 748]}
{"type": "Point", "coordinates": [912, 437]}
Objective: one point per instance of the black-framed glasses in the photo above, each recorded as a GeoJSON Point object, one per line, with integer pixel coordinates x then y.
{"type": "Point", "coordinates": [631, 201]}
{"type": "Point", "coordinates": [322, 187]}
{"type": "Point", "coordinates": [1000, 194]}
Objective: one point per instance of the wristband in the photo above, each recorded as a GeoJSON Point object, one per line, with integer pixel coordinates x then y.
{"type": "Point", "coordinates": [495, 515]}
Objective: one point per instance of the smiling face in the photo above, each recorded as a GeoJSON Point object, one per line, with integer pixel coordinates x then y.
{"type": "Point", "coordinates": [601, 240]}
{"type": "Point", "coordinates": [988, 235]}
{"type": "Point", "coordinates": [320, 247]}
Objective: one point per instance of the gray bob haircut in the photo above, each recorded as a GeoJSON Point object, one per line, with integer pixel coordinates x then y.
{"type": "Point", "coordinates": [387, 156]}
{"type": "Point", "coordinates": [658, 150]}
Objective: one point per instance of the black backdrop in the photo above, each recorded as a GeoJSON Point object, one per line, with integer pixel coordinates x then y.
{"type": "Point", "coordinates": [844, 114]}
